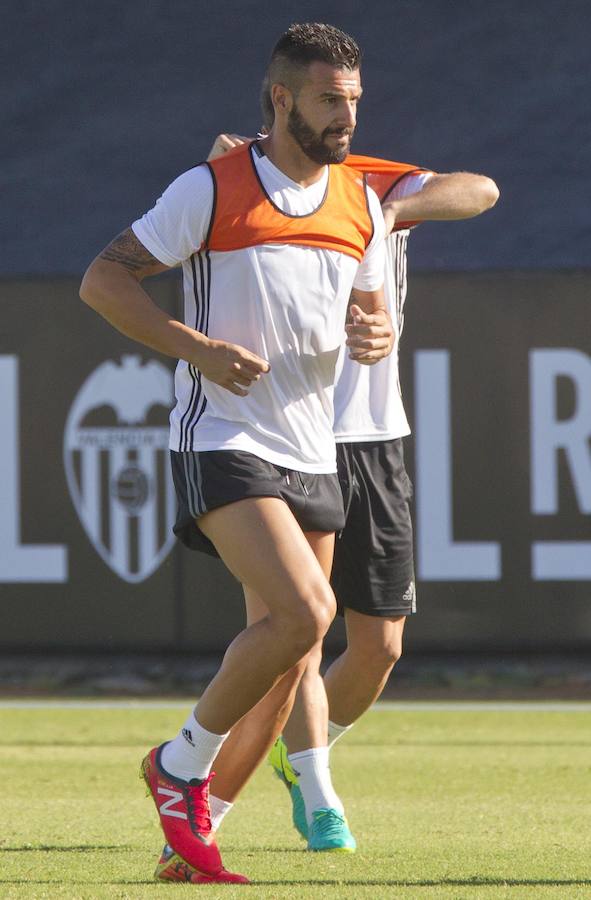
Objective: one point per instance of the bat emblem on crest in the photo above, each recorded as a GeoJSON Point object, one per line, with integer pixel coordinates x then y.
{"type": "Point", "coordinates": [117, 464]}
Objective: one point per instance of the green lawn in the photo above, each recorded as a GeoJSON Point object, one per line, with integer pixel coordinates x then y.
{"type": "Point", "coordinates": [454, 804]}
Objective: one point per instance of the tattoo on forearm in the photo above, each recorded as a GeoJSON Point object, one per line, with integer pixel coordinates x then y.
{"type": "Point", "coordinates": [126, 250]}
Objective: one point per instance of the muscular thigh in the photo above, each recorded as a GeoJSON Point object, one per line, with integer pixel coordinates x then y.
{"type": "Point", "coordinates": [263, 546]}
{"type": "Point", "coordinates": [322, 545]}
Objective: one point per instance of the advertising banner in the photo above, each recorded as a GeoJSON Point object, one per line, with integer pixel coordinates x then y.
{"type": "Point", "coordinates": [496, 376]}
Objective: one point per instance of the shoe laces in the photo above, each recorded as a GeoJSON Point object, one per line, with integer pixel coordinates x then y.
{"type": "Point", "coordinates": [330, 822]}
{"type": "Point", "coordinates": [198, 806]}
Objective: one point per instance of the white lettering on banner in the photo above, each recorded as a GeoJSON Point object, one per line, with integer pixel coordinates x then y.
{"type": "Point", "coordinates": [440, 558]}
{"type": "Point", "coordinates": [19, 562]}
{"type": "Point", "coordinates": [550, 434]}
{"type": "Point", "coordinates": [129, 486]}
{"type": "Point", "coordinates": [560, 560]}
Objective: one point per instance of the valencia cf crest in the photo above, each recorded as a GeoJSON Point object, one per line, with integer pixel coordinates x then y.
{"type": "Point", "coordinates": [117, 464]}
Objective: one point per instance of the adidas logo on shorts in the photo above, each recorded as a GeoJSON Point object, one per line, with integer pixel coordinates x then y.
{"type": "Point", "coordinates": [410, 596]}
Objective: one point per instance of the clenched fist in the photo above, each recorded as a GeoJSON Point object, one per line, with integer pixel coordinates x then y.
{"type": "Point", "coordinates": [229, 365]}
{"type": "Point", "coordinates": [370, 337]}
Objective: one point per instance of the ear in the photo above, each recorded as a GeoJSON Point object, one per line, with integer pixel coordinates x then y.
{"type": "Point", "coordinates": [282, 98]}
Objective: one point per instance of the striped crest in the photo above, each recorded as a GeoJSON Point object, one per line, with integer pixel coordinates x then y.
{"type": "Point", "coordinates": [117, 466]}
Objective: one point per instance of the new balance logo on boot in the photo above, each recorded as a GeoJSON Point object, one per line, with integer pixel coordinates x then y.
{"type": "Point", "coordinates": [174, 797]}
{"type": "Point", "coordinates": [183, 807]}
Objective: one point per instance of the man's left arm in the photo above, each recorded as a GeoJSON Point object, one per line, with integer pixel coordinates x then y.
{"type": "Point", "coordinates": [458, 195]}
{"type": "Point", "coordinates": [370, 333]}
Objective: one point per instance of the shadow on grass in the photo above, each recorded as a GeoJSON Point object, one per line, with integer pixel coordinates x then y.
{"type": "Point", "coordinates": [61, 881]}
{"type": "Point", "coordinates": [435, 882]}
{"type": "Point", "coordinates": [475, 881]}
{"type": "Point", "coordinates": [344, 882]}
{"type": "Point", "coordinates": [48, 848]}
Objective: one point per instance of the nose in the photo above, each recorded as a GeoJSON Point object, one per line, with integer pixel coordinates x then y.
{"type": "Point", "coordinates": [350, 115]}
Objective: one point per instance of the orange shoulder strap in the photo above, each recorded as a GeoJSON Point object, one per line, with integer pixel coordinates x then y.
{"type": "Point", "coordinates": [385, 173]}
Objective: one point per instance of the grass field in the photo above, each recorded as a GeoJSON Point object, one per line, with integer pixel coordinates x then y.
{"type": "Point", "coordinates": [444, 803]}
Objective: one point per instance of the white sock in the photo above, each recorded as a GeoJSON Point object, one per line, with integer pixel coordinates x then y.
{"type": "Point", "coordinates": [192, 752]}
{"type": "Point", "coordinates": [312, 769]}
{"type": "Point", "coordinates": [336, 731]}
{"type": "Point", "coordinates": [218, 810]}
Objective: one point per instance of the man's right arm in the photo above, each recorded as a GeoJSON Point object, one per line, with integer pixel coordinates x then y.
{"type": "Point", "coordinates": [453, 196]}
{"type": "Point", "coordinates": [112, 287]}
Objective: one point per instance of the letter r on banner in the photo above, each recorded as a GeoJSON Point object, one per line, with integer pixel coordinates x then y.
{"type": "Point", "coordinates": [560, 560]}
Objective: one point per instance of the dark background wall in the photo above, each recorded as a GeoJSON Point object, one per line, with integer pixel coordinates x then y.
{"type": "Point", "coordinates": [104, 103]}
{"type": "Point", "coordinates": [501, 345]}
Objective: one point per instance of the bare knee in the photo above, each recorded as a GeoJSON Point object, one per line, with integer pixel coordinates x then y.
{"type": "Point", "coordinates": [311, 626]}
{"type": "Point", "coordinates": [307, 620]}
{"type": "Point", "coordinates": [379, 654]}
{"type": "Point", "coordinates": [390, 651]}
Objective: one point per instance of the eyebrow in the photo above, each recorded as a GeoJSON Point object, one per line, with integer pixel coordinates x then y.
{"type": "Point", "coordinates": [338, 93]}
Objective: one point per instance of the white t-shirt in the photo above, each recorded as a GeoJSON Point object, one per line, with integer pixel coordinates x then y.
{"type": "Point", "coordinates": [286, 303]}
{"type": "Point", "coordinates": [368, 399]}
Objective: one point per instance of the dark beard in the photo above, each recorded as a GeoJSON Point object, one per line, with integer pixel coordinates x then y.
{"type": "Point", "coordinates": [311, 143]}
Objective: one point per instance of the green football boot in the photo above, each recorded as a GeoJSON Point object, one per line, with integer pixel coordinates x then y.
{"type": "Point", "coordinates": [284, 770]}
{"type": "Point", "coordinates": [330, 832]}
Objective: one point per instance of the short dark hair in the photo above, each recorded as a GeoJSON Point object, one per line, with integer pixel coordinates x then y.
{"type": "Point", "coordinates": [317, 42]}
{"type": "Point", "coordinates": [299, 47]}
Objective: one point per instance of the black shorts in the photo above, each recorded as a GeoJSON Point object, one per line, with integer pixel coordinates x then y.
{"type": "Point", "coordinates": [205, 480]}
{"type": "Point", "coordinates": [373, 570]}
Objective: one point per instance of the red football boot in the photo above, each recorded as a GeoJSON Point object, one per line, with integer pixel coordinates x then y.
{"type": "Point", "coordinates": [172, 868]}
{"type": "Point", "coordinates": [183, 807]}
